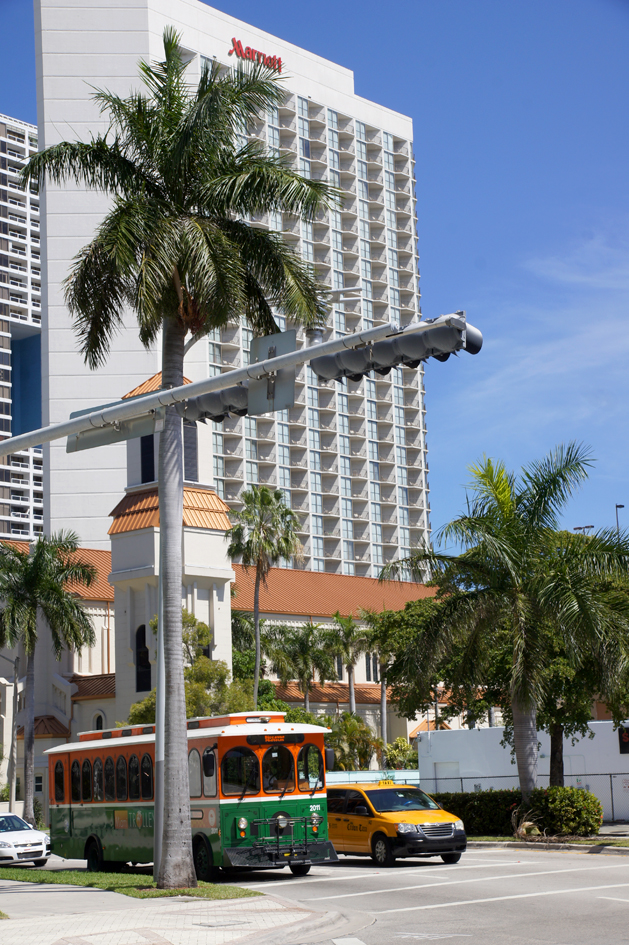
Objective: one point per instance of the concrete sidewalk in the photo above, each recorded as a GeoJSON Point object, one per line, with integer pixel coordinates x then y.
{"type": "Point", "coordinates": [63, 915]}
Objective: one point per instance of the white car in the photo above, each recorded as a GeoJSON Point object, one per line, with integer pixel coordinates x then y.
{"type": "Point", "coordinates": [21, 843]}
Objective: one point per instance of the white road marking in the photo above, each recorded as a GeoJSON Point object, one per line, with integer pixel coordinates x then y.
{"type": "Point", "coordinates": [476, 879]}
{"type": "Point", "coordinates": [471, 902]}
{"type": "Point", "coordinates": [613, 899]}
{"type": "Point", "coordinates": [347, 941]}
{"type": "Point", "coordinates": [389, 874]}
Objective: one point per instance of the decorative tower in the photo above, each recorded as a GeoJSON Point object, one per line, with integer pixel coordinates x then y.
{"type": "Point", "coordinates": [134, 534]}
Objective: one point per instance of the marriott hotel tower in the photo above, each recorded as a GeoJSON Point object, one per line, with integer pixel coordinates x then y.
{"type": "Point", "coordinates": [350, 457]}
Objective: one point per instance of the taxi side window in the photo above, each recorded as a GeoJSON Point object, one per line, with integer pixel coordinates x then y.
{"type": "Point", "coordinates": [336, 802]}
{"type": "Point", "coordinates": [357, 805]}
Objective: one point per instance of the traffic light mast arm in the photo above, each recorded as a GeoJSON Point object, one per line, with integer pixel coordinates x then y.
{"type": "Point", "coordinates": [148, 404]}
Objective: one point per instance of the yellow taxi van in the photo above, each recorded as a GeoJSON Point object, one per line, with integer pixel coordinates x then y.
{"type": "Point", "coordinates": [385, 820]}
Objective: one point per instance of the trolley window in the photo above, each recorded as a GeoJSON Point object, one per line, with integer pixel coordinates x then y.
{"type": "Point", "coordinates": [110, 780]}
{"type": "Point", "coordinates": [97, 790]}
{"type": "Point", "coordinates": [60, 783]}
{"type": "Point", "coordinates": [75, 779]}
{"type": "Point", "coordinates": [240, 772]}
{"type": "Point", "coordinates": [278, 770]}
{"type": "Point", "coordinates": [147, 778]}
{"type": "Point", "coordinates": [310, 768]}
{"type": "Point", "coordinates": [86, 781]}
{"type": "Point", "coordinates": [121, 779]}
{"type": "Point", "coordinates": [194, 773]}
{"type": "Point", "coordinates": [134, 778]}
{"type": "Point", "coordinates": [209, 784]}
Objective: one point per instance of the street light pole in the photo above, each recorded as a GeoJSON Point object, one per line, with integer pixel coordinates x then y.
{"type": "Point", "coordinates": [617, 523]}
{"type": "Point", "coordinates": [12, 772]}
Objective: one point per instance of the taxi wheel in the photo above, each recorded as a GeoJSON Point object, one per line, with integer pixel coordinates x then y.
{"type": "Point", "coordinates": [450, 857]}
{"type": "Point", "coordinates": [299, 869]}
{"type": "Point", "coordinates": [381, 852]}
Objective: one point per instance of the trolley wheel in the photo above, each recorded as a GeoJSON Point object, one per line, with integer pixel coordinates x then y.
{"type": "Point", "coordinates": [41, 862]}
{"type": "Point", "coordinates": [381, 852]}
{"type": "Point", "coordinates": [94, 857]}
{"type": "Point", "coordinates": [450, 857]}
{"type": "Point", "coordinates": [299, 869]}
{"type": "Point", "coordinates": [204, 861]}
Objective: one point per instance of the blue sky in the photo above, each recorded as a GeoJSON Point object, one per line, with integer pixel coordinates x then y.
{"type": "Point", "coordinates": [522, 144]}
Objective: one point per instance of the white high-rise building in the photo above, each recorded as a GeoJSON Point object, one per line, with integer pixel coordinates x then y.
{"type": "Point", "coordinates": [351, 457]}
{"type": "Point", "coordinates": [21, 474]}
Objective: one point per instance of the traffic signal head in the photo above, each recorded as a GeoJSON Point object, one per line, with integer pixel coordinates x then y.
{"type": "Point", "coordinates": [216, 405]}
{"type": "Point", "coordinates": [407, 348]}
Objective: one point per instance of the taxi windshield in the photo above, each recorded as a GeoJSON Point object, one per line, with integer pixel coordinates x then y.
{"type": "Point", "coordinates": [400, 799]}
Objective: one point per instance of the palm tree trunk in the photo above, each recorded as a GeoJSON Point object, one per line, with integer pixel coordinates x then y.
{"type": "Point", "coordinates": [556, 755]}
{"type": "Point", "coordinates": [352, 697]}
{"type": "Point", "coordinates": [383, 708]}
{"type": "Point", "coordinates": [176, 866]}
{"type": "Point", "coordinates": [256, 625]}
{"type": "Point", "coordinates": [29, 739]}
{"type": "Point", "coordinates": [525, 744]}
{"type": "Point", "coordinates": [307, 696]}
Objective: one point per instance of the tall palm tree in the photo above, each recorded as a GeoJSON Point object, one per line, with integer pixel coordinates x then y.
{"type": "Point", "coordinates": [519, 572]}
{"type": "Point", "coordinates": [177, 248]}
{"type": "Point", "coordinates": [379, 641]}
{"type": "Point", "coordinates": [42, 582]}
{"type": "Point", "coordinates": [348, 640]}
{"type": "Point", "coordinates": [301, 654]}
{"type": "Point", "coordinates": [265, 533]}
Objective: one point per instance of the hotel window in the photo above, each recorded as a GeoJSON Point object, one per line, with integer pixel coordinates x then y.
{"type": "Point", "coordinates": [394, 297]}
{"type": "Point", "coordinates": [392, 239]}
{"type": "Point", "coordinates": [311, 378]}
{"type": "Point", "coordinates": [362, 170]}
{"type": "Point", "coordinates": [338, 280]}
{"type": "Point", "coordinates": [346, 508]}
{"type": "Point", "coordinates": [374, 471]}
{"type": "Point", "coordinates": [348, 568]}
{"type": "Point", "coordinates": [344, 445]}
{"type": "Point", "coordinates": [371, 410]}
{"type": "Point", "coordinates": [283, 455]}
{"type": "Point", "coordinates": [315, 481]}
{"type": "Point", "coordinates": [365, 250]}
{"type": "Point", "coordinates": [370, 387]}
{"type": "Point", "coordinates": [363, 209]}
{"type": "Point", "coordinates": [337, 259]}
{"type": "Point", "coordinates": [284, 480]}
{"type": "Point", "coordinates": [313, 417]}
{"type": "Point", "coordinates": [343, 424]}
{"type": "Point", "coordinates": [393, 258]}
{"type": "Point", "coordinates": [367, 288]}
{"type": "Point", "coordinates": [372, 429]}
{"type": "Point", "coordinates": [307, 251]}
{"type": "Point", "coordinates": [219, 467]}
{"type": "Point", "coordinates": [361, 150]}
{"type": "Point", "coordinates": [388, 161]}
{"type": "Point", "coordinates": [315, 460]}
{"type": "Point", "coordinates": [337, 241]}
{"type": "Point", "coordinates": [273, 115]}
{"type": "Point", "coordinates": [400, 436]}
{"type": "Point", "coordinates": [317, 525]}
{"type": "Point", "coordinates": [391, 215]}
{"type": "Point", "coordinates": [283, 433]}
{"type": "Point", "coordinates": [316, 503]}
{"type": "Point", "coordinates": [334, 160]}
{"type": "Point", "coordinates": [345, 466]}
{"type": "Point", "coordinates": [360, 130]}
{"type": "Point", "coordinates": [302, 107]}
{"type": "Point", "coordinates": [400, 455]}
{"type": "Point", "coordinates": [275, 221]}
{"type": "Point", "coordinates": [363, 229]}
{"type": "Point", "coordinates": [389, 200]}
{"type": "Point", "coordinates": [376, 555]}
{"type": "Point", "coordinates": [348, 550]}
{"type": "Point", "coordinates": [274, 141]}
{"type": "Point", "coordinates": [333, 138]}
{"type": "Point", "coordinates": [398, 412]}
{"type": "Point", "coordinates": [376, 512]}
{"type": "Point", "coordinates": [314, 439]}
{"type": "Point", "coordinates": [387, 141]}
{"type": "Point", "coordinates": [339, 320]}
{"type": "Point", "coordinates": [343, 403]}
{"type": "Point", "coordinates": [335, 220]}
{"type": "Point", "coordinates": [374, 491]}
{"type": "Point", "coordinates": [304, 147]}
{"type": "Point", "coordinates": [376, 532]}
{"type": "Point", "coordinates": [252, 472]}
{"type": "Point", "coordinates": [313, 397]}
{"type": "Point", "coordinates": [333, 119]}
{"type": "Point", "coordinates": [251, 449]}
{"type": "Point", "coordinates": [367, 307]}
{"type": "Point", "coordinates": [304, 168]}
{"type": "Point", "coordinates": [398, 394]}
{"type": "Point", "coordinates": [368, 667]}
{"type": "Point", "coordinates": [394, 279]}
{"type": "Point", "coordinates": [339, 667]}
{"type": "Point", "coordinates": [394, 316]}
{"type": "Point", "coordinates": [365, 268]}
{"type": "Point", "coordinates": [347, 528]}
{"type": "Point", "coordinates": [402, 476]}
{"type": "Point", "coordinates": [363, 190]}
{"type": "Point", "coordinates": [402, 496]}
{"type": "Point", "coordinates": [373, 450]}
{"type": "Point", "coordinates": [402, 513]}
{"type": "Point", "coordinates": [404, 536]}
{"type": "Point", "coordinates": [346, 486]}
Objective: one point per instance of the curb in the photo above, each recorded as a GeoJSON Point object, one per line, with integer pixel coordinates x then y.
{"type": "Point", "coordinates": [599, 848]}
{"type": "Point", "coordinates": [315, 927]}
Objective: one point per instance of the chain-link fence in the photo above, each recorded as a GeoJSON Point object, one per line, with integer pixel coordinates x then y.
{"type": "Point", "coordinates": [612, 790]}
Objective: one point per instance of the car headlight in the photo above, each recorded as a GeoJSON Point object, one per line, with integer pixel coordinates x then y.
{"type": "Point", "coordinates": [406, 828]}
{"type": "Point", "coordinates": [458, 825]}
{"type": "Point", "coordinates": [282, 822]}
{"type": "Point", "coordinates": [316, 819]}
{"type": "Point", "coordinates": [243, 823]}
{"type": "Point", "coordinates": [5, 846]}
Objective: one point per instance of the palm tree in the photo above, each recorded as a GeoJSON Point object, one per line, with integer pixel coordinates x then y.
{"type": "Point", "coordinates": [42, 582]}
{"type": "Point", "coordinates": [379, 642]}
{"type": "Point", "coordinates": [264, 534]}
{"type": "Point", "coordinates": [300, 654]}
{"type": "Point", "coordinates": [348, 640]}
{"type": "Point", "coordinates": [519, 572]}
{"type": "Point", "coordinates": [177, 248]}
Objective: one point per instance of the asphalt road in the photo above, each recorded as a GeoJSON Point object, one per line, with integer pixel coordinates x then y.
{"type": "Point", "coordinates": [492, 897]}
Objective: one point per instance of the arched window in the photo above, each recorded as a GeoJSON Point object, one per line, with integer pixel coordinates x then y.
{"type": "Point", "coordinates": [278, 770]}
{"type": "Point", "coordinates": [60, 783]}
{"type": "Point", "coordinates": [98, 723]}
{"type": "Point", "coordinates": [209, 784]}
{"type": "Point", "coordinates": [134, 778]}
{"type": "Point", "coordinates": [86, 781]}
{"type": "Point", "coordinates": [146, 778]}
{"type": "Point", "coordinates": [309, 768]}
{"type": "Point", "coordinates": [142, 662]}
{"type": "Point", "coordinates": [97, 791]}
{"type": "Point", "coordinates": [110, 780]}
{"type": "Point", "coordinates": [240, 772]}
{"type": "Point", "coordinates": [194, 773]}
{"type": "Point", "coordinates": [75, 780]}
{"type": "Point", "coordinates": [121, 779]}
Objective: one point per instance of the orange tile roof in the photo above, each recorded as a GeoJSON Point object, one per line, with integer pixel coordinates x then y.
{"type": "Point", "coordinates": [47, 726]}
{"type": "Point", "coordinates": [202, 508]}
{"type": "Point", "coordinates": [317, 594]}
{"type": "Point", "coordinates": [100, 589]}
{"type": "Point", "coordinates": [422, 727]}
{"type": "Point", "coordinates": [98, 686]}
{"type": "Point", "coordinates": [149, 387]}
{"type": "Point", "coordinates": [338, 692]}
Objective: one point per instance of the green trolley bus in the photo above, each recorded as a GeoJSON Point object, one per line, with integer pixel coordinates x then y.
{"type": "Point", "coordinates": [257, 795]}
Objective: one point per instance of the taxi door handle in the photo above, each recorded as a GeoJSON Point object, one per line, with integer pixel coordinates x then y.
{"type": "Point", "coordinates": [345, 818]}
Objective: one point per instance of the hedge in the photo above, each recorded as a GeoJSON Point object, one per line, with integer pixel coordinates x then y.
{"type": "Point", "coordinates": [556, 811]}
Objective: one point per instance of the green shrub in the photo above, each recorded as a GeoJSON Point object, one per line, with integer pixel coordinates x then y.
{"type": "Point", "coordinates": [484, 813]}
{"type": "Point", "coordinates": [566, 810]}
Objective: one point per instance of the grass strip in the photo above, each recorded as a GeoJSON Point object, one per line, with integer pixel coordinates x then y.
{"type": "Point", "coordinates": [139, 886]}
{"type": "Point", "coordinates": [600, 841]}
{"type": "Point", "coordinates": [3, 915]}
